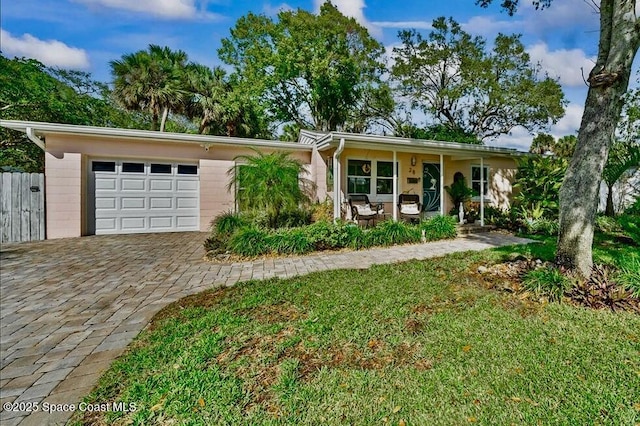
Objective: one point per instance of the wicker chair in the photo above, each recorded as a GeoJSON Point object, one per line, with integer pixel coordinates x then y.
{"type": "Point", "coordinates": [410, 207]}
{"type": "Point", "coordinates": [361, 208]}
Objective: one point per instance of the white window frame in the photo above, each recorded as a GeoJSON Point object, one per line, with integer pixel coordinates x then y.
{"type": "Point", "coordinates": [476, 198]}
{"type": "Point", "coordinates": [373, 195]}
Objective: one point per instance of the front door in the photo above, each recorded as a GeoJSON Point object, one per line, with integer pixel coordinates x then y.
{"type": "Point", "coordinates": [431, 187]}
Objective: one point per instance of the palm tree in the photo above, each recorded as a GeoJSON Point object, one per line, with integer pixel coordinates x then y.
{"type": "Point", "coordinates": [269, 183]}
{"type": "Point", "coordinates": [151, 81]}
{"type": "Point", "coordinates": [208, 92]}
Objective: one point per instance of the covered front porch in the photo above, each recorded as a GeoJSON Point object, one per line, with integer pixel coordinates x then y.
{"type": "Point", "coordinates": [383, 168]}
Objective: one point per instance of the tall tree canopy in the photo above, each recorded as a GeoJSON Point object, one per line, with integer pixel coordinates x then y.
{"type": "Point", "coordinates": [311, 70]}
{"type": "Point", "coordinates": [608, 82]}
{"type": "Point", "coordinates": [152, 81]}
{"type": "Point", "coordinates": [452, 77]}
{"type": "Point", "coordinates": [31, 91]}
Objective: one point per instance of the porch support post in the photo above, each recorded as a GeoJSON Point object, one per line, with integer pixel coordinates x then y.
{"type": "Point", "coordinates": [442, 184]}
{"type": "Point", "coordinates": [336, 181]}
{"type": "Point", "coordinates": [395, 187]}
{"type": "Point", "coordinates": [482, 191]}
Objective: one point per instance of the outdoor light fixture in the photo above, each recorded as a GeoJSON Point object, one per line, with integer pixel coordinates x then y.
{"type": "Point", "coordinates": [413, 160]}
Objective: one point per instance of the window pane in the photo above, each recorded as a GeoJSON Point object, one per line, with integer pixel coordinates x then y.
{"type": "Point", "coordinates": [187, 169]}
{"type": "Point", "coordinates": [384, 186]}
{"type": "Point", "coordinates": [161, 168]}
{"type": "Point", "coordinates": [356, 185]}
{"type": "Point", "coordinates": [133, 167]}
{"type": "Point", "coordinates": [359, 168]}
{"type": "Point", "coordinates": [103, 166]}
{"type": "Point", "coordinates": [385, 168]}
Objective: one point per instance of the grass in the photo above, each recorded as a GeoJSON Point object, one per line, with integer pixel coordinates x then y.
{"type": "Point", "coordinates": [423, 342]}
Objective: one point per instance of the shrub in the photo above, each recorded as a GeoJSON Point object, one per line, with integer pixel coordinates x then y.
{"type": "Point", "coordinates": [629, 276]}
{"type": "Point", "coordinates": [228, 222]}
{"type": "Point", "coordinates": [599, 291]}
{"type": "Point", "coordinates": [391, 232]}
{"type": "Point", "coordinates": [249, 241]}
{"type": "Point", "coordinates": [216, 243]}
{"type": "Point", "coordinates": [459, 193]}
{"type": "Point", "coordinates": [634, 209]}
{"type": "Point", "coordinates": [548, 282]}
{"type": "Point", "coordinates": [292, 218]}
{"type": "Point", "coordinates": [606, 224]}
{"type": "Point", "coordinates": [322, 212]}
{"type": "Point", "coordinates": [630, 226]}
{"type": "Point", "coordinates": [439, 228]}
{"type": "Point", "coordinates": [290, 241]}
{"type": "Point", "coordinates": [538, 181]}
{"type": "Point", "coordinates": [542, 226]}
{"type": "Point", "coordinates": [497, 217]}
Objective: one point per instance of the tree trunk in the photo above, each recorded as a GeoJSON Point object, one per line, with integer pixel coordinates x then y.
{"type": "Point", "coordinates": [154, 121]}
{"type": "Point", "coordinates": [165, 113]}
{"type": "Point", "coordinates": [609, 79]}
{"type": "Point", "coordinates": [609, 210]}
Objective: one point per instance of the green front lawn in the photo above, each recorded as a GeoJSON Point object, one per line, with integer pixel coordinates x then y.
{"type": "Point", "coordinates": [419, 343]}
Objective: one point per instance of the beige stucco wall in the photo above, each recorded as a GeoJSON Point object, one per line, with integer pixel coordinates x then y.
{"type": "Point", "coordinates": [215, 199]}
{"type": "Point", "coordinates": [63, 186]}
{"type": "Point", "coordinates": [67, 158]}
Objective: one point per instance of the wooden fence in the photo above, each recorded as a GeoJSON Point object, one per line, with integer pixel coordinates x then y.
{"type": "Point", "coordinates": [22, 207]}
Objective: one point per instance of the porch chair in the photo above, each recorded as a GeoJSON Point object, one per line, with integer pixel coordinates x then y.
{"type": "Point", "coordinates": [410, 207]}
{"type": "Point", "coordinates": [361, 208]}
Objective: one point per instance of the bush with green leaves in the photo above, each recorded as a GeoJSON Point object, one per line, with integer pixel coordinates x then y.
{"type": "Point", "coordinates": [392, 232]}
{"type": "Point", "coordinates": [541, 226]}
{"type": "Point", "coordinates": [250, 242]}
{"type": "Point", "coordinates": [439, 228]}
{"type": "Point", "coordinates": [538, 181]}
{"type": "Point", "coordinates": [498, 217]}
{"type": "Point", "coordinates": [606, 224]}
{"type": "Point", "coordinates": [290, 241]}
{"type": "Point", "coordinates": [548, 282]}
{"type": "Point", "coordinates": [228, 222]}
{"type": "Point", "coordinates": [459, 192]}
{"type": "Point", "coordinates": [629, 275]}
{"type": "Point", "coordinates": [630, 226]}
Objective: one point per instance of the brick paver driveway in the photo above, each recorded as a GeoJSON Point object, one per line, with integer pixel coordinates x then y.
{"type": "Point", "coordinates": [69, 307]}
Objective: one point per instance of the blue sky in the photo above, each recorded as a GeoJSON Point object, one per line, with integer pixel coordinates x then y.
{"type": "Point", "coordinates": [87, 34]}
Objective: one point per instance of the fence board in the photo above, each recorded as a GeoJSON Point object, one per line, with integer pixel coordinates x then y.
{"type": "Point", "coordinates": [21, 209]}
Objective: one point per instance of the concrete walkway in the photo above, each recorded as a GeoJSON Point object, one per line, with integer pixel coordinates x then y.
{"type": "Point", "coordinates": [69, 307]}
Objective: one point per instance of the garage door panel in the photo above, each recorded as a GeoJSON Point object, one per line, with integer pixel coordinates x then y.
{"type": "Point", "coordinates": [106, 203]}
{"type": "Point", "coordinates": [133, 203]}
{"type": "Point", "coordinates": [106, 183]}
{"type": "Point", "coordinates": [161, 185]}
{"type": "Point", "coordinates": [133, 223]}
{"type": "Point", "coordinates": [160, 203]}
{"type": "Point", "coordinates": [137, 184]}
{"type": "Point", "coordinates": [183, 222]}
{"type": "Point", "coordinates": [106, 224]}
{"type": "Point", "coordinates": [187, 185]}
{"type": "Point", "coordinates": [161, 222]}
{"type": "Point", "coordinates": [145, 201]}
{"type": "Point", "coordinates": [186, 203]}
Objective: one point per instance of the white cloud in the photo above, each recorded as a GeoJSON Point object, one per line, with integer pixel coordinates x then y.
{"type": "Point", "coordinates": [166, 9]}
{"type": "Point", "coordinates": [486, 26]}
{"type": "Point", "coordinates": [50, 52]}
{"type": "Point", "coordinates": [520, 138]}
{"type": "Point", "coordinates": [271, 10]}
{"type": "Point", "coordinates": [570, 123]}
{"type": "Point", "coordinates": [353, 9]}
{"type": "Point", "coordinates": [418, 25]}
{"type": "Point", "coordinates": [568, 65]}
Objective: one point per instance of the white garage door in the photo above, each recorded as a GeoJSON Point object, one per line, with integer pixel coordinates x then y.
{"type": "Point", "coordinates": [136, 196]}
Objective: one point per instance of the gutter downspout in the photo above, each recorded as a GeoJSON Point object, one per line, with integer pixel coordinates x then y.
{"type": "Point", "coordinates": [33, 138]}
{"type": "Point", "coordinates": [336, 180]}
{"type": "Point", "coordinates": [482, 178]}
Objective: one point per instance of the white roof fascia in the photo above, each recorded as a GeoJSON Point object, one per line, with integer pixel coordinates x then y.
{"type": "Point", "coordinates": [149, 135]}
{"type": "Point", "coordinates": [410, 145]}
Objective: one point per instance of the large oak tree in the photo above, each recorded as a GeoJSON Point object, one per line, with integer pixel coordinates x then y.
{"type": "Point", "coordinates": [608, 82]}
{"type": "Point", "coordinates": [311, 70]}
{"type": "Point", "coordinates": [452, 77]}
